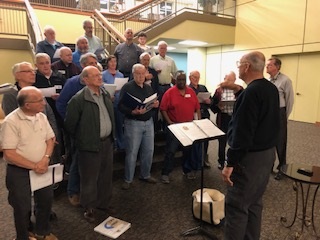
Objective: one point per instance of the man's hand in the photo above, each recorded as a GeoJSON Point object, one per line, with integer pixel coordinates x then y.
{"type": "Point", "coordinates": [156, 104]}
{"type": "Point", "coordinates": [138, 111]}
{"type": "Point", "coordinates": [226, 173]}
{"type": "Point", "coordinates": [42, 165]}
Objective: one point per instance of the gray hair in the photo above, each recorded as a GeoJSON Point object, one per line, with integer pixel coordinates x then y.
{"type": "Point", "coordinates": [162, 43]}
{"type": "Point", "coordinates": [81, 38]}
{"type": "Point", "coordinates": [136, 66]}
{"type": "Point", "coordinates": [256, 60]}
{"type": "Point", "coordinates": [42, 55]}
{"type": "Point", "coordinates": [47, 28]}
{"type": "Point", "coordinates": [85, 22]}
{"type": "Point", "coordinates": [84, 58]}
{"type": "Point", "coordinates": [144, 54]}
{"type": "Point", "coordinates": [16, 67]}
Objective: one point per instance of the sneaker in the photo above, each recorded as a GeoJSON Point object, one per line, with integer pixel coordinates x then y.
{"type": "Point", "coordinates": [125, 186]}
{"type": "Point", "coordinates": [190, 175]}
{"type": "Point", "coordinates": [165, 179]}
{"type": "Point", "coordinates": [46, 237]}
{"type": "Point", "coordinates": [89, 215]}
{"type": "Point", "coordinates": [149, 180]}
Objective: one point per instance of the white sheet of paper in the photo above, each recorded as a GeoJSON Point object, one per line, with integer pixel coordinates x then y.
{"type": "Point", "coordinates": [38, 181]}
{"type": "Point", "coordinates": [48, 92]}
{"type": "Point", "coordinates": [203, 96]}
{"type": "Point", "coordinates": [111, 88]}
{"type": "Point", "coordinates": [120, 82]}
{"type": "Point", "coordinates": [57, 53]}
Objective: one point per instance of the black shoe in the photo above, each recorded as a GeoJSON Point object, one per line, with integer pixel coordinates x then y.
{"type": "Point", "coordinates": [278, 176]}
{"type": "Point", "coordinates": [89, 215]}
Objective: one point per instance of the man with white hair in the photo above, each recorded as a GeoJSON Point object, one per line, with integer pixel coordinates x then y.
{"type": "Point", "coordinates": [82, 48]}
{"type": "Point", "coordinates": [49, 45]}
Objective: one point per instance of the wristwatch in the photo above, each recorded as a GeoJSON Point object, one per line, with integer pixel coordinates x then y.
{"type": "Point", "coordinates": [48, 156]}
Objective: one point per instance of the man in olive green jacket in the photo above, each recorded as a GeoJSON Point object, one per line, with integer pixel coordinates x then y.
{"type": "Point", "coordinates": [90, 121]}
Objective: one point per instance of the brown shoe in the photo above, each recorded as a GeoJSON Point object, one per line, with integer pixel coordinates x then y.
{"type": "Point", "coordinates": [46, 237]}
{"type": "Point", "coordinates": [74, 200]}
{"type": "Point", "coordinates": [149, 180]}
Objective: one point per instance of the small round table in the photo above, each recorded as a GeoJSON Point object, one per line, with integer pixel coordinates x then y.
{"type": "Point", "coordinates": [308, 175]}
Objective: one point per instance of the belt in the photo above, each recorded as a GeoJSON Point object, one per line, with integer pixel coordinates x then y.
{"type": "Point", "coordinates": [164, 85]}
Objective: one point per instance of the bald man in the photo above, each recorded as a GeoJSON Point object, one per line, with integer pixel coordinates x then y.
{"type": "Point", "coordinates": [224, 112]}
{"type": "Point", "coordinates": [90, 121]}
{"type": "Point", "coordinates": [252, 137]}
{"type": "Point", "coordinates": [28, 140]}
{"type": "Point", "coordinates": [65, 66]}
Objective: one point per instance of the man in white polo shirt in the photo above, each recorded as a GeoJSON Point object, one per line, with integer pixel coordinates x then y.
{"type": "Point", "coordinates": [27, 140]}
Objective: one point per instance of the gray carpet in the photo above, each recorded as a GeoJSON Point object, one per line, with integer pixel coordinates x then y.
{"type": "Point", "coordinates": [164, 211]}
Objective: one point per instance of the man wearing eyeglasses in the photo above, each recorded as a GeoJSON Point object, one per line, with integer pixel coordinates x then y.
{"type": "Point", "coordinates": [252, 137]}
{"type": "Point", "coordinates": [28, 141]}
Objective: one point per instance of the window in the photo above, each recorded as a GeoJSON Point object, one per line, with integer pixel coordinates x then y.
{"type": "Point", "coordinates": [165, 8]}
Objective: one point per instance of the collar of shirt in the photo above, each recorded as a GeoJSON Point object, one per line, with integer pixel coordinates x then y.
{"type": "Point", "coordinates": [275, 77]}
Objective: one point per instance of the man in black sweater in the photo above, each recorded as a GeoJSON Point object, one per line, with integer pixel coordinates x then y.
{"type": "Point", "coordinates": [252, 137]}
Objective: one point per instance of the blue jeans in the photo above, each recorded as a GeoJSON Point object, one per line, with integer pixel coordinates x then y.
{"type": "Point", "coordinates": [139, 135]}
{"type": "Point", "coordinates": [119, 117]}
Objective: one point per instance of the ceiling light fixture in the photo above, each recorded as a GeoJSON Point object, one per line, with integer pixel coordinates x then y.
{"type": "Point", "coordinates": [192, 43]}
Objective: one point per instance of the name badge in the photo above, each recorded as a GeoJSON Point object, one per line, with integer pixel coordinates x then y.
{"type": "Point", "coordinates": [58, 87]}
{"type": "Point", "coordinates": [187, 95]}
{"type": "Point", "coordinates": [62, 71]}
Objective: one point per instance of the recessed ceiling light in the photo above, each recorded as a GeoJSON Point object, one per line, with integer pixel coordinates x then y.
{"type": "Point", "coordinates": [192, 43]}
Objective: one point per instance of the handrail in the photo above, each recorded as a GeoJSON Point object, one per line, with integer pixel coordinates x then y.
{"type": "Point", "coordinates": [104, 23]}
{"type": "Point", "coordinates": [34, 23]}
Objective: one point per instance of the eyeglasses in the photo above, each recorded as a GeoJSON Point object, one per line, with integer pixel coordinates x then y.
{"type": "Point", "coordinates": [28, 71]}
{"type": "Point", "coordinates": [37, 101]}
{"type": "Point", "coordinates": [239, 63]}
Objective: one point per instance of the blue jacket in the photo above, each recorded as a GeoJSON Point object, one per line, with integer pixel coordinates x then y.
{"type": "Point", "coordinates": [46, 47]}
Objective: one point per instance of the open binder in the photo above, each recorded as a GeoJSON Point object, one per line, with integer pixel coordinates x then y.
{"type": "Point", "coordinates": [133, 102]}
{"type": "Point", "coordinates": [188, 132]}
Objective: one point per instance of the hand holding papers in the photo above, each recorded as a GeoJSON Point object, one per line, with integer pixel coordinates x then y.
{"type": "Point", "coordinates": [53, 175]}
{"type": "Point", "coordinates": [120, 82]}
{"type": "Point", "coordinates": [189, 132]}
{"type": "Point", "coordinates": [202, 96]}
{"type": "Point", "coordinates": [133, 102]}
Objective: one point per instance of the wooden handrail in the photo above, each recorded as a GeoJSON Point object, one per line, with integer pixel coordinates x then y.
{"type": "Point", "coordinates": [108, 25]}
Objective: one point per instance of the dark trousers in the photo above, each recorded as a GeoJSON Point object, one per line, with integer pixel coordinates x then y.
{"type": "Point", "coordinates": [282, 142]}
{"type": "Point", "coordinates": [172, 145]}
{"type": "Point", "coordinates": [223, 120]}
{"type": "Point", "coordinates": [243, 205]}
{"type": "Point", "coordinates": [96, 176]}
{"type": "Point", "coordinates": [18, 185]}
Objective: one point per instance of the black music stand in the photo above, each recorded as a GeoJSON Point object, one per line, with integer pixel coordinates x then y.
{"type": "Point", "coordinates": [201, 228]}
{"type": "Point", "coordinates": [210, 132]}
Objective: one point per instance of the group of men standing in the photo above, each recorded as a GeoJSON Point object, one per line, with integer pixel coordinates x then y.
{"type": "Point", "coordinates": [87, 116]}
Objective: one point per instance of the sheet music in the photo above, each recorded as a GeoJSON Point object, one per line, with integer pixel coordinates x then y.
{"type": "Point", "coordinates": [203, 96]}
{"type": "Point", "coordinates": [120, 82]}
{"type": "Point", "coordinates": [189, 132]}
{"type": "Point", "coordinates": [57, 53]}
{"type": "Point", "coordinates": [111, 88]}
{"type": "Point", "coordinates": [48, 92]}
{"type": "Point", "coordinates": [38, 181]}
